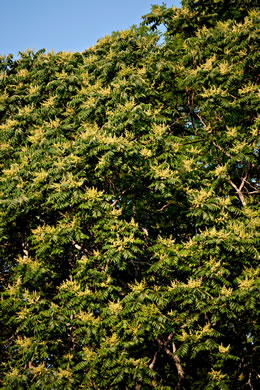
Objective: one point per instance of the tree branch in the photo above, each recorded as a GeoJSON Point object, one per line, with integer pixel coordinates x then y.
{"type": "Point", "coordinates": [242, 183]}
{"type": "Point", "coordinates": [163, 207]}
{"type": "Point", "coordinates": [120, 196]}
{"type": "Point", "coordinates": [202, 121]}
{"type": "Point", "coordinates": [222, 150]}
{"type": "Point", "coordinates": [151, 366]}
{"type": "Point", "coordinates": [175, 358]}
{"type": "Point", "coordinates": [251, 185]}
{"type": "Point", "coordinates": [178, 365]}
{"type": "Point", "coordinates": [77, 246]}
{"type": "Point", "coordinates": [239, 191]}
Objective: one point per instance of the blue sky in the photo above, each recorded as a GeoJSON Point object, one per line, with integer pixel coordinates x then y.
{"type": "Point", "coordinates": [66, 24]}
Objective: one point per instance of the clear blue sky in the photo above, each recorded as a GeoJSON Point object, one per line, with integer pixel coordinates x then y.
{"type": "Point", "coordinates": [66, 24]}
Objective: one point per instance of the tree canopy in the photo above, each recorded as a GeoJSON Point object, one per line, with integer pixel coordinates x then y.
{"type": "Point", "coordinates": [129, 218]}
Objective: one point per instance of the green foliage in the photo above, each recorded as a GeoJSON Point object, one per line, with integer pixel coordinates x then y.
{"type": "Point", "coordinates": [128, 207]}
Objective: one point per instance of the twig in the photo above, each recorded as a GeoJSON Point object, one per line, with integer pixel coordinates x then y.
{"type": "Point", "coordinates": [163, 207]}
{"type": "Point", "coordinates": [120, 196]}
{"type": "Point", "coordinates": [202, 121]}
{"type": "Point", "coordinates": [222, 150]}
{"type": "Point", "coordinates": [251, 185]}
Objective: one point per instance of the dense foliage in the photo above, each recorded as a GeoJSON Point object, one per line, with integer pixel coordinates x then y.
{"type": "Point", "coordinates": [128, 207]}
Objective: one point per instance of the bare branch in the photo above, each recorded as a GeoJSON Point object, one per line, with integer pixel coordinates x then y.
{"type": "Point", "coordinates": [242, 183]}
{"type": "Point", "coordinates": [202, 121]}
{"type": "Point", "coordinates": [178, 365]}
{"type": "Point", "coordinates": [77, 246]}
{"type": "Point", "coordinates": [251, 185]}
{"type": "Point", "coordinates": [169, 338]}
{"type": "Point", "coordinates": [151, 366]}
{"type": "Point", "coordinates": [221, 149]}
{"type": "Point", "coordinates": [249, 383]}
{"type": "Point", "coordinates": [239, 191]}
{"type": "Point", "coordinates": [163, 207]}
{"type": "Point", "coordinates": [120, 196]}
{"type": "Point", "coordinates": [159, 341]}
{"type": "Point", "coordinates": [175, 358]}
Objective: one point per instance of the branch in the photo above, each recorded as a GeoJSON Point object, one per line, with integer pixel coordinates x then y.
{"type": "Point", "coordinates": [174, 357]}
{"type": "Point", "coordinates": [251, 185]}
{"type": "Point", "coordinates": [151, 366]}
{"type": "Point", "coordinates": [249, 383]}
{"type": "Point", "coordinates": [191, 142]}
{"type": "Point", "coordinates": [202, 121]}
{"type": "Point", "coordinates": [178, 365]}
{"type": "Point", "coordinates": [214, 143]}
{"type": "Point", "coordinates": [222, 150]}
{"type": "Point", "coordinates": [169, 338]}
{"type": "Point", "coordinates": [77, 246]}
{"type": "Point", "coordinates": [242, 183]}
{"type": "Point", "coordinates": [120, 196]}
{"type": "Point", "coordinates": [163, 207]}
{"type": "Point", "coordinates": [239, 191]}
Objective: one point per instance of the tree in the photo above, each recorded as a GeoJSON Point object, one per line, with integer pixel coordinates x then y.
{"type": "Point", "coordinates": [129, 214]}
